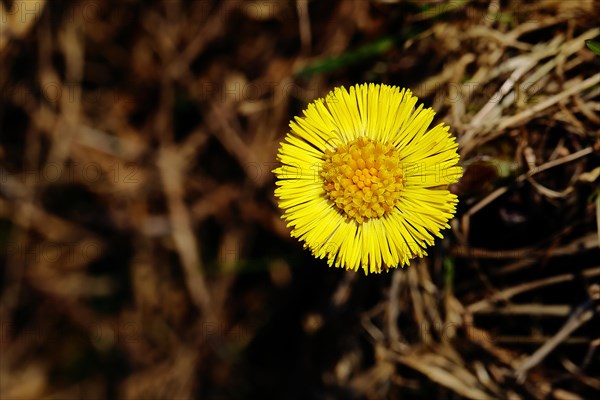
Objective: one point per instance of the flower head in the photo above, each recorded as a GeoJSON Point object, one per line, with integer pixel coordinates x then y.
{"type": "Point", "coordinates": [363, 181]}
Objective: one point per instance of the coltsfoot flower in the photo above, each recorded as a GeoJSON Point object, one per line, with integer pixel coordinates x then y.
{"type": "Point", "coordinates": [363, 181]}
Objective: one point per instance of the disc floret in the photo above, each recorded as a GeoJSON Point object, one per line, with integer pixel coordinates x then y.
{"type": "Point", "coordinates": [363, 178]}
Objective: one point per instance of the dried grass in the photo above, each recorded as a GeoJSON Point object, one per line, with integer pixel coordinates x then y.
{"type": "Point", "coordinates": [142, 251]}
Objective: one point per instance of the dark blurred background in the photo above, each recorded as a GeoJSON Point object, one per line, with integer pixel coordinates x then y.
{"type": "Point", "coordinates": [142, 253]}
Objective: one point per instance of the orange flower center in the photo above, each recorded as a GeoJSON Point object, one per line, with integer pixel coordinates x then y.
{"type": "Point", "coordinates": [363, 178]}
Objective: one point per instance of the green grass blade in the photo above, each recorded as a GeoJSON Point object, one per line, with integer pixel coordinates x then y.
{"type": "Point", "coordinates": [593, 46]}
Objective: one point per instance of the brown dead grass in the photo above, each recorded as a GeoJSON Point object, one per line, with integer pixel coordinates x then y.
{"type": "Point", "coordinates": [143, 256]}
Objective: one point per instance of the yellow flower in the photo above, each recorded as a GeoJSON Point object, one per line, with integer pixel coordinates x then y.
{"type": "Point", "coordinates": [363, 181]}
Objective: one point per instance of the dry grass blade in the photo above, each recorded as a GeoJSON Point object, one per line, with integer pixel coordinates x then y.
{"type": "Point", "coordinates": [183, 236]}
{"type": "Point", "coordinates": [506, 294]}
{"type": "Point", "coordinates": [582, 315]}
{"type": "Point", "coordinates": [449, 375]}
